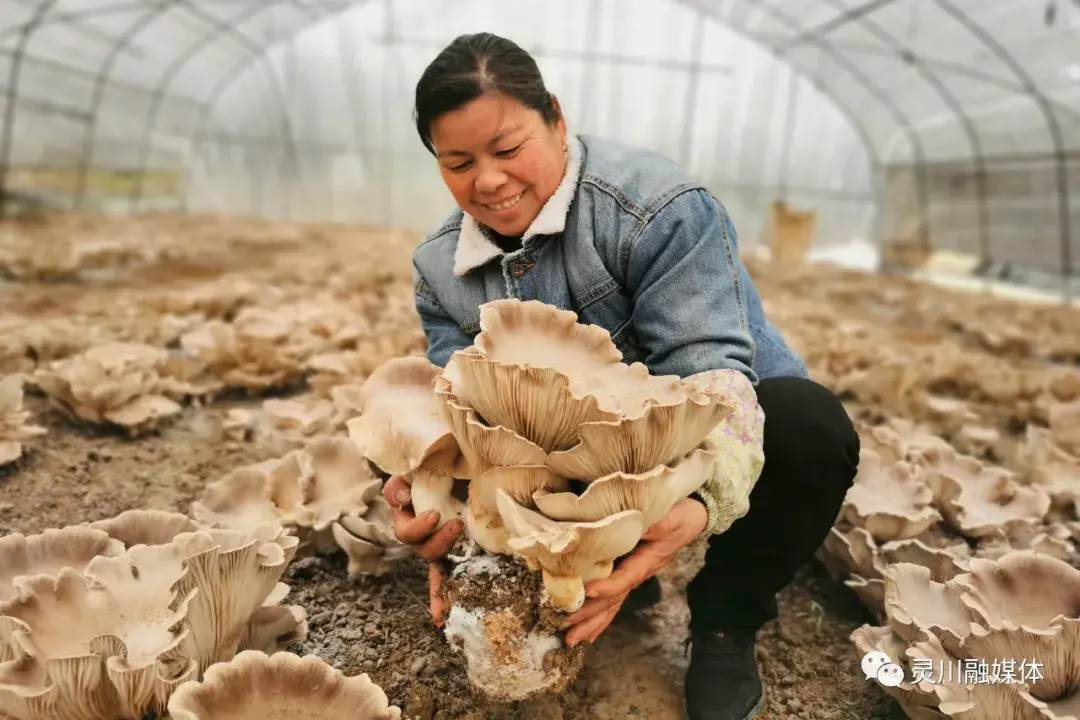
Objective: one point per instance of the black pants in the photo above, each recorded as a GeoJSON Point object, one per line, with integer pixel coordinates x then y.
{"type": "Point", "coordinates": [811, 456]}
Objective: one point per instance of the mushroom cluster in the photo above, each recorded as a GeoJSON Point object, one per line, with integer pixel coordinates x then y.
{"type": "Point", "coordinates": [325, 492]}
{"type": "Point", "coordinates": [255, 686]}
{"type": "Point", "coordinates": [122, 384]}
{"type": "Point", "coordinates": [15, 425]}
{"type": "Point", "coordinates": [988, 639]}
{"type": "Point", "coordinates": [106, 619]}
{"type": "Point", "coordinates": [568, 456]}
{"type": "Point", "coordinates": [960, 532]}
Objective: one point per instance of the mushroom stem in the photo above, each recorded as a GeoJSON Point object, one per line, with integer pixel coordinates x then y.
{"type": "Point", "coordinates": [567, 591]}
{"type": "Point", "coordinates": [486, 529]}
{"type": "Point", "coordinates": [434, 491]}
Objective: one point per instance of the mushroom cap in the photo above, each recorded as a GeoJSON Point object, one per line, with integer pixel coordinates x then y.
{"type": "Point", "coordinates": [310, 488]}
{"type": "Point", "coordinates": [282, 686]}
{"type": "Point", "coordinates": [400, 424]}
{"type": "Point", "coordinates": [145, 527]}
{"type": "Point", "coordinates": [890, 502]}
{"type": "Point", "coordinates": [569, 553]}
{"type": "Point", "coordinates": [49, 552]}
{"type": "Point", "coordinates": [653, 493]}
{"type": "Point", "coordinates": [369, 539]}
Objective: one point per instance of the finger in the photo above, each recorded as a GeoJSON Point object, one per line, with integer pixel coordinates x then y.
{"type": "Point", "coordinates": [414, 530]}
{"type": "Point", "coordinates": [634, 570]}
{"type": "Point", "coordinates": [396, 492]}
{"type": "Point", "coordinates": [592, 627]}
{"type": "Point", "coordinates": [657, 531]}
{"type": "Point", "coordinates": [608, 619]}
{"type": "Point", "coordinates": [440, 543]}
{"type": "Point", "coordinates": [590, 609]}
{"type": "Point", "coordinates": [435, 598]}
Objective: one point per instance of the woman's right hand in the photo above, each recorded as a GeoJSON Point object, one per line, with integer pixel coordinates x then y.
{"type": "Point", "coordinates": [420, 533]}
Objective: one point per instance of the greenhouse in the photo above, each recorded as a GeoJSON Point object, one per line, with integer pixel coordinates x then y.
{"type": "Point", "coordinates": [278, 277]}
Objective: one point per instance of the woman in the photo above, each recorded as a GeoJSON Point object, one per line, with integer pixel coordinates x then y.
{"type": "Point", "coordinates": [629, 242]}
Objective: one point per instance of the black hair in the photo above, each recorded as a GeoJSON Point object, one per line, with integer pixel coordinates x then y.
{"type": "Point", "coordinates": [473, 65]}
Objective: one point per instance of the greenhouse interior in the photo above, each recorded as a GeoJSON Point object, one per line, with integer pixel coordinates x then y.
{"type": "Point", "coordinates": [254, 292]}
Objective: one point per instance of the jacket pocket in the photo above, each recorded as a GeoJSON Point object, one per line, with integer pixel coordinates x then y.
{"type": "Point", "coordinates": [607, 307]}
{"type": "Point", "coordinates": [626, 341]}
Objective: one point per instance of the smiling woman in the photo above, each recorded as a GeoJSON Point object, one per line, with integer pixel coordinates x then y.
{"type": "Point", "coordinates": [631, 243]}
{"type": "Point", "coordinates": [502, 155]}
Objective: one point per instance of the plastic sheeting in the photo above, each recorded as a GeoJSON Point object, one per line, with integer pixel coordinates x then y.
{"type": "Point", "coordinates": [301, 108]}
{"type": "Point", "coordinates": [751, 130]}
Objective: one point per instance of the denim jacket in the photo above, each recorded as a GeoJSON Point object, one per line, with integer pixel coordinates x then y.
{"type": "Point", "coordinates": [630, 243]}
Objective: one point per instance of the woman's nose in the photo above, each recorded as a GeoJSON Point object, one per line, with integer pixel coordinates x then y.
{"type": "Point", "coordinates": [490, 179]}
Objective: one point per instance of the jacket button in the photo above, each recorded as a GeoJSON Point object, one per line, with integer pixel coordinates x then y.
{"type": "Point", "coordinates": [519, 269]}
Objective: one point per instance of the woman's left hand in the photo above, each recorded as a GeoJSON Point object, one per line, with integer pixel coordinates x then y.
{"type": "Point", "coordinates": [660, 543]}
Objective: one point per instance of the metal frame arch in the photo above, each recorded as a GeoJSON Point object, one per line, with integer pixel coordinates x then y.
{"type": "Point", "coordinates": [931, 78]}
{"type": "Point", "coordinates": [101, 82]}
{"type": "Point", "coordinates": [12, 95]}
{"type": "Point", "coordinates": [903, 123]}
{"type": "Point", "coordinates": [255, 55]}
{"type": "Point", "coordinates": [1032, 90]}
{"type": "Point", "coordinates": [818, 82]}
{"type": "Point", "coordinates": [218, 29]}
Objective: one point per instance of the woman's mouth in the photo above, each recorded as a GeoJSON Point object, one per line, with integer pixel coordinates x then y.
{"type": "Point", "coordinates": [505, 204]}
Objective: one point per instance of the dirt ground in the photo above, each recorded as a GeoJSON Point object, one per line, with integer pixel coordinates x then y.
{"type": "Point", "coordinates": [380, 625]}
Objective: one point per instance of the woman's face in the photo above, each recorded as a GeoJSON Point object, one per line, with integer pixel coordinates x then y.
{"type": "Point", "coordinates": [500, 161]}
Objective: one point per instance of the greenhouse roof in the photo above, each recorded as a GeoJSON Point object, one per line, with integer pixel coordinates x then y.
{"type": "Point", "coordinates": [989, 77]}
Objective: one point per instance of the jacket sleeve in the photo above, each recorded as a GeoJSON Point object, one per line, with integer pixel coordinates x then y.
{"type": "Point", "coordinates": [690, 308]}
{"type": "Point", "coordinates": [444, 335]}
{"type": "Point", "coordinates": [690, 315]}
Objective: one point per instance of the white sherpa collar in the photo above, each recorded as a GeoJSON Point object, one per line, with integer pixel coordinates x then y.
{"type": "Point", "coordinates": [475, 249]}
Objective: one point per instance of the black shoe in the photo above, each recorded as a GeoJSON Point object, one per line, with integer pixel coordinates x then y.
{"type": "Point", "coordinates": [723, 682]}
{"type": "Point", "coordinates": [644, 595]}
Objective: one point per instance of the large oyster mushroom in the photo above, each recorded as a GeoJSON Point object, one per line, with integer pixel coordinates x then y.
{"type": "Point", "coordinates": [15, 425]}
{"type": "Point", "coordinates": [569, 454]}
{"type": "Point", "coordinates": [122, 384]}
{"type": "Point", "coordinates": [891, 502]}
{"type": "Point", "coordinates": [48, 553]}
{"type": "Point", "coordinates": [995, 642]}
{"type": "Point", "coordinates": [116, 637]}
{"type": "Point", "coordinates": [325, 491]}
{"type": "Point", "coordinates": [401, 430]}
{"type": "Point", "coordinates": [257, 686]}
{"type": "Point", "coordinates": [979, 499]}
{"type": "Point", "coordinates": [241, 360]}
{"type": "Point", "coordinates": [270, 628]}
{"type": "Point", "coordinates": [121, 627]}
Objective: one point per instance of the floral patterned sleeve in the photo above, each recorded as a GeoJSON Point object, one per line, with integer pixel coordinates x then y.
{"type": "Point", "coordinates": [740, 458]}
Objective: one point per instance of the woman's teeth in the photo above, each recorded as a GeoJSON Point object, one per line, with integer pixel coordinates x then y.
{"type": "Point", "coordinates": [506, 204]}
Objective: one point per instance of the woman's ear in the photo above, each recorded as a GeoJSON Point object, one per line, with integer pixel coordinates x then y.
{"type": "Point", "coordinates": [560, 123]}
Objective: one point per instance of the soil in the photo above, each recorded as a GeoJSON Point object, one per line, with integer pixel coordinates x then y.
{"type": "Point", "coordinates": [380, 625]}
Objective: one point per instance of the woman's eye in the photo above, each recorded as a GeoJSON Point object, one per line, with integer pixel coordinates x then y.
{"type": "Point", "coordinates": [459, 167]}
{"type": "Point", "coordinates": [508, 153]}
